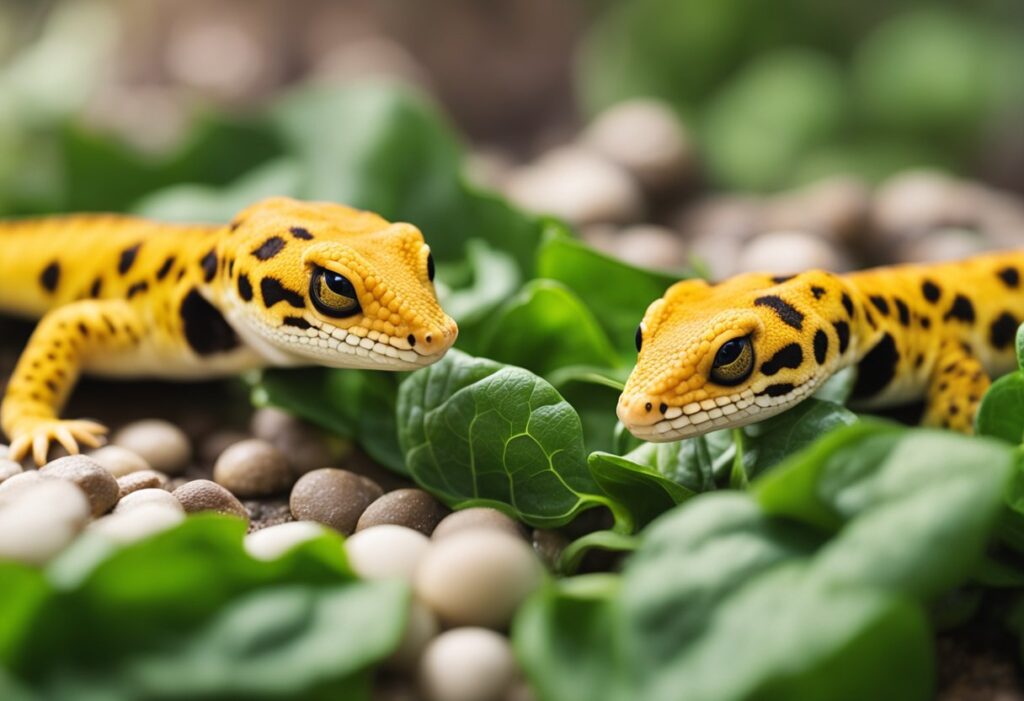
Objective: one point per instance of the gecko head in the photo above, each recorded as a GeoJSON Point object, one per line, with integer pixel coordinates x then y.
{"type": "Point", "coordinates": [316, 282]}
{"type": "Point", "coordinates": [726, 355]}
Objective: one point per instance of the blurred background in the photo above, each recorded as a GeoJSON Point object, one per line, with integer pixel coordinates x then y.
{"type": "Point", "coordinates": [726, 134]}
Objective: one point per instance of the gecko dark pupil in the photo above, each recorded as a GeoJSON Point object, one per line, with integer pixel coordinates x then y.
{"type": "Point", "coordinates": [639, 338]}
{"type": "Point", "coordinates": [430, 266]}
{"type": "Point", "coordinates": [339, 284]}
{"type": "Point", "coordinates": [729, 352]}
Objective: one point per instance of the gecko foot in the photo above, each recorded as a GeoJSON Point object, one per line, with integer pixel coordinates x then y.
{"type": "Point", "coordinates": [37, 434]}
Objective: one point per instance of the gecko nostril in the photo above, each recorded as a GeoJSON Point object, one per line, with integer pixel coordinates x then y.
{"type": "Point", "coordinates": [411, 339]}
{"type": "Point", "coordinates": [429, 338]}
{"type": "Point", "coordinates": [648, 406]}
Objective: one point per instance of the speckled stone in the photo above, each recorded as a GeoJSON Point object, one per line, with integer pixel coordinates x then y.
{"type": "Point", "coordinates": [204, 495]}
{"type": "Point", "coordinates": [164, 446]}
{"type": "Point", "coordinates": [119, 461]}
{"type": "Point", "coordinates": [412, 508]}
{"type": "Point", "coordinates": [143, 479]}
{"type": "Point", "coordinates": [336, 498]}
{"type": "Point", "coordinates": [98, 484]}
{"type": "Point", "coordinates": [252, 468]}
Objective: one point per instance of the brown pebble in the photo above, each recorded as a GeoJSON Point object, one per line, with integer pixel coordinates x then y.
{"type": "Point", "coordinates": [119, 461]}
{"type": "Point", "coordinates": [412, 508]}
{"type": "Point", "coordinates": [336, 498]}
{"type": "Point", "coordinates": [143, 479]}
{"type": "Point", "coordinates": [477, 517]}
{"type": "Point", "coordinates": [98, 484]}
{"type": "Point", "coordinates": [549, 544]}
{"type": "Point", "coordinates": [161, 444]}
{"type": "Point", "coordinates": [204, 495]}
{"type": "Point", "coordinates": [252, 468]}
{"type": "Point", "coordinates": [304, 446]}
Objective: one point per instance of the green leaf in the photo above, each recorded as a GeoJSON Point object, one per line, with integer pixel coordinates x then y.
{"type": "Point", "coordinates": [472, 289]}
{"type": "Point", "coordinates": [188, 613]}
{"type": "Point", "coordinates": [814, 586]}
{"type": "Point", "coordinates": [546, 327]}
{"type": "Point", "coordinates": [643, 492]}
{"type": "Point", "coordinates": [477, 432]}
{"type": "Point", "coordinates": [616, 293]}
{"type": "Point", "coordinates": [594, 394]}
{"type": "Point", "coordinates": [1019, 345]}
{"type": "Point", "coordinates": [1001, 412]}
{"type": "Point", "coordinates": [769, 442]}
{"type": "Point", "coordinates": [356, 404]}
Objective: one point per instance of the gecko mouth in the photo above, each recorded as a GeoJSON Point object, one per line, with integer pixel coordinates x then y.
{"type": "Point", "coordinates": [732, 411]}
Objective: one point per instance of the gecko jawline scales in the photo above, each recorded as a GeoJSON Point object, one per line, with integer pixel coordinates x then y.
{"type": "Point", "coordinates": [286, 283]}
{"type": "Point", "coordinates": [726, 355]}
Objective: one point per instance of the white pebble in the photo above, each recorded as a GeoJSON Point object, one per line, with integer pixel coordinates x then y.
{"type": "Point", "coordinates": [649, 246]}
{"type": "Point", "coordinates": [161, 444]}
{"type": "Point", "coordinates": [467, 664]}
{"type": "Point", "coordinates": [144, 497]}
{"type": "Point", "coordinates": [138, 523]}
{"type": "Point", "coordinates": [478, 577]}
{"type": "Point", "coordinates": [646, 138]}
{"type": "Point", "coordinates": [785, 252]}
{"type": "Point", "coordinates": [386, 551]}
{"type": "Point", "coordinates": [421, 628]}
{"type": "Point", "coordinates": [578, 186]}
{"type": "Point", "coordinates": [274, 541]}
{"type": "Point", "coordinates": [41, 519]}
{"type": "Point", "coordinates": [119, 461]}
{"type": "Point", "coordinates": [9, 468]}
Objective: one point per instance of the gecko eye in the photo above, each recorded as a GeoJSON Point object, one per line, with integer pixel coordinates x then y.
{"type": "Point", "coordinates": [639, 338]}
{"type": "Point", "coordinates": [430, 266]}
{"type": "Point", "coordinates": [734, 361]}
{"type": "Point", "coordinates": [333, 294]}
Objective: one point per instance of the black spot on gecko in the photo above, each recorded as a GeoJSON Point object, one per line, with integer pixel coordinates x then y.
{"type": "Point", "coordinates": [244, 287]}
{"type": "Point", "coordinates": [877, 368]}
{"type": "Point", "coordinates": [83, 329]}
{"type": "Point", "coordinates": [1009, 276]}
{"type": "Point", "coordinates": [779, 279]}
{"type": "Point", "coordinates": [273, 292]}
{"type": "Point", "coordinates": [50, 277]}
{"type": "Point", "coordinates": [137, 288]}
{"type": "Point", "coordinates": [301, 233]}
{"type": "Point", "coordinates": [926, 323]}
{"type": "Point", "coordinates": [848, 305]}
{"type": "Point", "coordinates": [880, 304]}
{"type": "Point", "coordinates": [790, 356]}
{"type": "Point", "coordinates": [269, 248]}
{"type": "Point", "coordinates": [235, 223]}
{"type": "Point", "coordinates": [843, 334]}
{"type": "Point", "coordinates": [778, 390]}
{"type": "Point", "coordinates": [930, 291]}
{"type": "Point", "coordinates": [962, 310]}
{"type": "Point", "coordinates": [820, 346]}
{"type": "Point", "coordinates": [97, 288]}
{"type": "Point", "coordinates": [128, 258]}
{"type": "Point", "coordinates": [209, 265]}
{"type": "Point", "coordinates": [871, 318]}
{"type": "Point", "coordinates": [902, 310]}
{"type": "Point", "coordinates": [165, 268]}
{"type": "Point", "coordinates": [206, 331]}
{"type": "Point", "coordinates": [818, 292]}
{"type": "Point", "coordinates": [919, 360]}
{"type": "Point", "coordinates": [296, 321]}
{"type": "Point", "coordinates": [789, 314]}
{"type": "Point", "coordinates": [1003, 331]}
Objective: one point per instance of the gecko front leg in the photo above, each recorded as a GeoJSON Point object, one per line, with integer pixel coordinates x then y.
{"type": "Point", "coordinates": [955, 388]}
{"type": "Point", "coordinates": [62, 344]}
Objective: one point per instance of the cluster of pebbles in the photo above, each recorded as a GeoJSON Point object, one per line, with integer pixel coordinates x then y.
{"type": "Point", "coordinates": [631, 183]}
{"type": "Point", "coordinates": [469, 570]}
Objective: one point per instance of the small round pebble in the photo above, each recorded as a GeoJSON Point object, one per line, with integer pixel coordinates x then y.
{"type": "Point", "coordinates": [412, 508]}
{"type": "Point", "coordinates": [467, 664]}
{"type": "Point", "coordinates": [305, 447]}
{"type": "Point", "coordinates": [139, 522]}
{"type": "Point", "coordinates": [144, 497]}
{"type": "Point", "coordinates": [649, 246]}
{"type": "Point", "coordinates": [647, 139]}
{"type": "Point", "coordinates": [9, 468]}
{"type": "Point", "coordinates": [98, 484]}
{"type": "Point", "coordinates": [785, 252]}
{"type": "Point", "coordinates": [204, 495]}
{"type": "Point", "coordinates": [336, 498]}
{"type": "Point", "coordinates": [274, 541]}
{"type": "Point", "coordinates": [478, 577]}
{"type": "Point", "coordinates": [143, 479]}
{"type": "Point", "coordinates": [41, 519]}
{"type": "Point", "coordinates": [578, 186]}
{"type": "Point", "coordinates": [161, 444]}
{"type": "Point", "coordinates": [420, 629]}
{"type": "Point", "coordinates": [386, 551]}
{"type": "Point", "coordinates": [119, 461]}
{"type": "Point", "coordinates": [252, 468]}
{"type": "Point", "coordinates": [549, 544]}
{"type": "Point", "coordinates": [12, 487]}
{"type": "Point", "coordinates": [475, 518]}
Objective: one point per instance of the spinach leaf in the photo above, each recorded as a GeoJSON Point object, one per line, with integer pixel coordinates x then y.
{"type": "Point", "coordinates": [189, 613]}
{"type": "Point", "coordinates": [476, 432]}
{"type": "Point", "coordinates": [815, 585]}
{"type": "Point", "coordinates": [470, 290]}
{"type": "Point", "coordinates": [594, 394]}
{"type": "Point", "coordinates": [1001, 413]}
{"type": "Point", "coordinates": [616, 293]}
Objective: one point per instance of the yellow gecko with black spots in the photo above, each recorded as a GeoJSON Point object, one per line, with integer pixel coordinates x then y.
{"type": "Point", "coordinates": [286, 283]}
{"type": "Point", "coordinates": [715, 356]}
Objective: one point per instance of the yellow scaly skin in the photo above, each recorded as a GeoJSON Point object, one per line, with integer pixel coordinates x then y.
{"type": "Point", "coordinates": [122, 296]}
{"type": "Point", "coordinates": [933, 332]}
